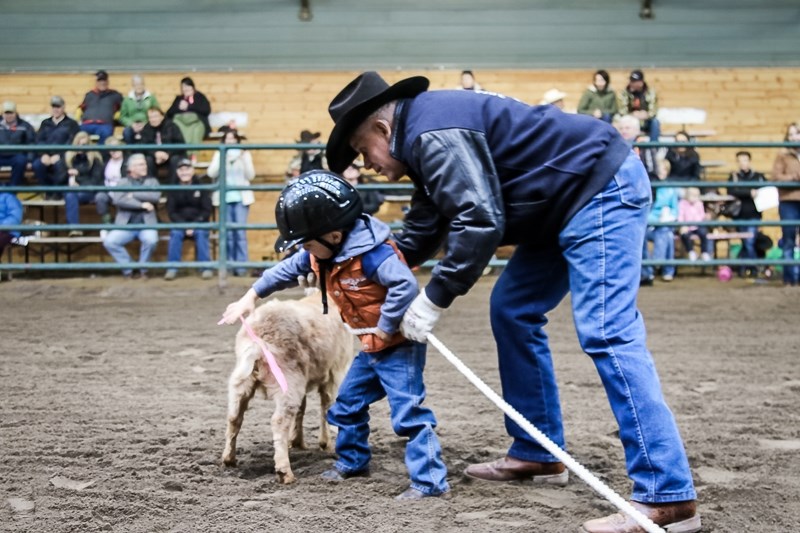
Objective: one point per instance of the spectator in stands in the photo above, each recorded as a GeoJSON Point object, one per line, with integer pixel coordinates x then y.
{"type": "Point", "coordinates": [641, 101]}
{"type": "Point", "coordinates": [691, 209]}
{"type": "Point", "coordinates": [10, 213]}
{"type": "Point", "coordinates": [628, 128]}
{"type": "Point", "coordinates": [313, 158]}
{"type": "Point", "coordinates": [133, 115]}
{"type": "Point", "coordinates": [371, 199]}
{"type": "Point", "coordinates": [468, 82]}
{"type": "Point", "coordinates": [553, 97]}
{"type": "Point", "coordinates": [787, 168]}
{"type": "Point", "coordinates": [746, 209]}
{"type": "Point", "coordinates": [239, 170]}
{"type": "Point", "coordinates": [134, 207]}
{"type": "Point", "coordinates": [189, 111]}
{"type": "Point", "coordinates": [99, 107]}
{"type": "Point", "coordinates": [599, 100]}
{"type": "Point", "coordinates": [83, 167]}
{"type": "Point", "coordinates": [293, 170]}
{"type": "Point", "coordinates": [188, 205]}
{"type": "Point", "coordinates": [684, 162]}
{"type": "Point", "coordinates": [112, 174]}
{"type": "Point", "coordinates": [15, 131]}
{"type": "Point", "coordinates": [664, 209]}
{"type": "Point", "coordinates": [160, 130]}
{"type": "Point", "coordinates": [56, 129]}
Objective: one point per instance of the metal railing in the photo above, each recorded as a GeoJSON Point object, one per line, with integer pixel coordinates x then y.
{"type": "Point", "coordinates": [222, 264]}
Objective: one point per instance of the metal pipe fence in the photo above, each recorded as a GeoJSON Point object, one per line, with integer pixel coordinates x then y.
{"type": "Point", "coordinates": [222, 264]}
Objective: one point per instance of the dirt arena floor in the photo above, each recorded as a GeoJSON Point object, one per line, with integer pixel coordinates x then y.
{"type": "Point", "coordinates": [113, 400]}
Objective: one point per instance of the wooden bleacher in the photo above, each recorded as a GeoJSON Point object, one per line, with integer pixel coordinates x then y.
{"type": "Point", "coordinates": [733, 99]}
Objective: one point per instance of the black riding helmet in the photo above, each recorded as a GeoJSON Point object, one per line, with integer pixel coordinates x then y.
{"type": "Point", "coordinates": [317, 203]}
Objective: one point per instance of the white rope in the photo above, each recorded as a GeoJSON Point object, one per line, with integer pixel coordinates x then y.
{"type": "Point", "coordinates": [581, 471]}
{"type": "Point", "coordinates": [590, 479]}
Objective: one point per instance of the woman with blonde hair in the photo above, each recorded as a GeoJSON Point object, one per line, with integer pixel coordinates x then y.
{"type": "Point", "coordinates": [787, 168]}
{"type": "Point", "coordinates": [82, 167]}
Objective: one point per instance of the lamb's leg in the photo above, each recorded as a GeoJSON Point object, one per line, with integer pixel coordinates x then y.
{"type": "Point", "coordinates": [286, 408]}
{"type": "Point", "coordinates": [297, 428]}
{"type": "Point", "coordinates": [327, 391]}
{"type": "Point", "coordinates": [239, 396]}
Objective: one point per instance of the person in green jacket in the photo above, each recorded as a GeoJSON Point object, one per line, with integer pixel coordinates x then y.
{"type": "Point", "coordinates": [599, 100]}
{"type": "Point", "coordinates": [133, 114]}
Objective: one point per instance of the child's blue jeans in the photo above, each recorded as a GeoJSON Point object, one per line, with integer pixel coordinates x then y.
{"type": "Point", "coordinates": [395, 373]}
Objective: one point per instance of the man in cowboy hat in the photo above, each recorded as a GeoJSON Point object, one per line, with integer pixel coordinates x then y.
{"type": "Point", "coordinates": [569, 192]}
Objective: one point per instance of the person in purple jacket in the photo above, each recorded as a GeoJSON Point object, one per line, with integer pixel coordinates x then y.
{"type": "Point", "coordinates": [567, 190]}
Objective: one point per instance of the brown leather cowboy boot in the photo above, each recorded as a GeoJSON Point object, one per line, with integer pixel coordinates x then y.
{"type": "Point", "coordinates": [511, 469]}
{"type": "Point", "coordinates": [675, 517]}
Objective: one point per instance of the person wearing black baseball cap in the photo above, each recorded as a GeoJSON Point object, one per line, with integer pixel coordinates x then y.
{"type": "Point", "coordinates": [574, 198]}
{"type": "Point", "coordinates": [99, 107]}
{"type": "Point", "coordinates": [641, 101]}
{"type": "Point", "coordinates": [188, 204]}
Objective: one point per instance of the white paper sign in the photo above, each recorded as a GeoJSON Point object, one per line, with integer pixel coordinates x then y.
{"type": "Point", "coordinates": [766, 198]}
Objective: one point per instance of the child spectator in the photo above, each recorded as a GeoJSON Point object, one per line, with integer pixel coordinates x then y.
{"type": "Point", "coordinates": [366, 275]}
{"type": "Point", "coordinates": [747, 207]}
{"type": "Point", "coordinates": [10, 213]}
{"type": "Point", "coordinates": [787, 168]}
{"type": "Point", "coordinates": [640, 100]}
{"type": "Point", "coordinates": [56, 129]}
{"type": "Point", "coordinates": [83, 167]}
{"type": "Point", "coordinates": [134, 207]}
{"type": "Point", "coordinates": [692, 209]}
{"type": "Point", "coordinates": [133, 115]}
{"type": "Point", "coordinates": [190, 111]}
{"type": "Point", "coordinates": [664, 209]}
{"type": "Point", "coordinates": [599, 100]}
{"type": "Point", "coordinates": [99, 107]}
{"type": "Point", "coordinates": [684, 162]}
{"type": "Point", "coordinates": [15, 131]}
{"type": "Point", "coordinates": [239, 170]}
{"type": "Point", "coordinates": [188, 205]}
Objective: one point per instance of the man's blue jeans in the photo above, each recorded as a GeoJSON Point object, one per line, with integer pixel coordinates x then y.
{"type": "Point", "coordinates": [598, 259]}
{"type": "Point", "coordinates": [116, 240]}
{"type": "Point", "coordinates": [103, 131]}
{"type": "Point", "coordinates": [395, 373]}
{"type": "Point", "coordinates": [18, 164]}
{"type": "Point", "coordinates": [175, 248]}
{"type": "Point", "coordinates": [73, 202]}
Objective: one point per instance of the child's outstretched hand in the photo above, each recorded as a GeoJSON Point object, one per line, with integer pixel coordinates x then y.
{"type": "Point", "coordinates": [241, 307]}
{"type": "Point", "coordinates": [308, 283]}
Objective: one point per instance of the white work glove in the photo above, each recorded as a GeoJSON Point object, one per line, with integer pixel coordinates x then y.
{"type": "Point", "coordinates": [308, 283]}
{"type": "Point", "coordinates": [420, 318]}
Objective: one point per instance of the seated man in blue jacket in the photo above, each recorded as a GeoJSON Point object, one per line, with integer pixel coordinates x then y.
{"type": "Point", "coordinates": [571, 194]}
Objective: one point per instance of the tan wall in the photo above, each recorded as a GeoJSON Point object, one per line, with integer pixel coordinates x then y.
{"type": "Point", "coordinates": [743, 104]}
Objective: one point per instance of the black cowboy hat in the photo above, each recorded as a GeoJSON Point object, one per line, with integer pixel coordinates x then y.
{"type": "Point", "coordinates": [357, 101]}
{"type": "Point", "coordinates": [306, 136]}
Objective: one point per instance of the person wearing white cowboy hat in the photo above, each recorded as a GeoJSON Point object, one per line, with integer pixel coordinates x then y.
{"type": "Point", "coordinates": [553, 97]}
{"type": "Point", "coordinates": [568, 191]}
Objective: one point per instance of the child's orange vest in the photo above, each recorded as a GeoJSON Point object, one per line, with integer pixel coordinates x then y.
{"type": "Point", "coordinates": [359, 298]}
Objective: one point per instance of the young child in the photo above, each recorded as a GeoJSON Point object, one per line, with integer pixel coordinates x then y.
{"type": "Point", "coordinates": [664, 209]}
{"type": "Point", "coordinates": [364, 272]}
{"type": "Point", "coordinates": [692, 209]}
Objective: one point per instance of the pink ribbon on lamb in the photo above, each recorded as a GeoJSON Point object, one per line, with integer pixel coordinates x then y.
{"type": "Point", "coordinates": [270, 358]}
